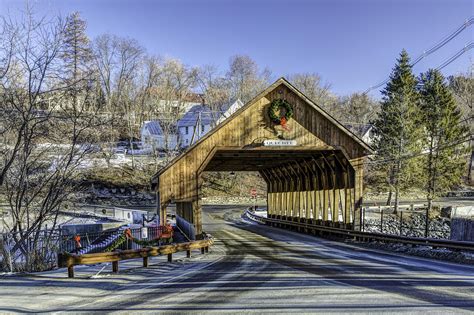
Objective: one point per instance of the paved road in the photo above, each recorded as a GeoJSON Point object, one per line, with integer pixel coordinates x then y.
{"type": "Point", "coordinates": [253, 269]}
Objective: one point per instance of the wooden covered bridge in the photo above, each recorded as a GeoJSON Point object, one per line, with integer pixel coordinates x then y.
{"type": "Point", "coordinates": [313, 165]}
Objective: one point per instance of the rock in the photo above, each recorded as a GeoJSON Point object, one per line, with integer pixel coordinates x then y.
{"type": "Point", "coordinates": [446, 212]}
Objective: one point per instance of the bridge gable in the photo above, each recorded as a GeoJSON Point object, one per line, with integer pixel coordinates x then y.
{"type": "Point", "coordinates": [248, 128]}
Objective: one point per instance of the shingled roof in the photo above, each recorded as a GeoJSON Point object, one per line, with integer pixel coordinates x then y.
{"type": "Point", "coordinates": [191, 116]}
{"type": "Point", "coordinates": [153, 127]}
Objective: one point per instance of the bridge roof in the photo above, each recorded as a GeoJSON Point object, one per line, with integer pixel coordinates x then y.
{"type": "Point", "coordinates": [280, 82]}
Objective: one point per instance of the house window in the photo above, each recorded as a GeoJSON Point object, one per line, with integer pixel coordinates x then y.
{"type": "Point", "coordinates": [186, 130]}
{"type": "Point", "coordinates": [202, 128]}
{"type": "Point", "coordinates": [187, 140]}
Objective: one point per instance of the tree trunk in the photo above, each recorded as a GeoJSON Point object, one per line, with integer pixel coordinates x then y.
{"type": "Point", "coordinates": [397, 201]}
{"type": "Point", "coordinates": [389, 198]}
{"type": "Point", "coordinates": [469, 171]}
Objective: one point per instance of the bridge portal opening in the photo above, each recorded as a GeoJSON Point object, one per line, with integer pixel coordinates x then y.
{"type": "Point", "coordinates": [303, 185]}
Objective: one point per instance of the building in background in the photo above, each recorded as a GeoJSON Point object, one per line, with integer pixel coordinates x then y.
{"type": "Point", "coordinates": [363, 131]}
{"type": "Point", "coordinates": [200, 119]}
{"type": "Point", "coordinates": [155, 137]}
{"type": "Point", "coordinates": [195, 123]}
{"type": "Point", "coordinates": [229, 109]}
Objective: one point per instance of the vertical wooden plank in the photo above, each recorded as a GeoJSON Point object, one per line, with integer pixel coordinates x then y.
{"type": "Point", "coordinates": [347, 199]}
{"type": "Point", "coordinates": [70, 271]}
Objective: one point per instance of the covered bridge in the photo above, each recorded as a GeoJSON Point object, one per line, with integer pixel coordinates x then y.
{"type": "Point", "coordinates": [313, 165]}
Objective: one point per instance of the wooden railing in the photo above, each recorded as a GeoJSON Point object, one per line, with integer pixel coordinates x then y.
{"type": "Point", "coordinates": [71, 260]}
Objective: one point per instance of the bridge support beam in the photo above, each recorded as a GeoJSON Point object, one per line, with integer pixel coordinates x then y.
{"type": "Point", "coordinates": [319, 190]}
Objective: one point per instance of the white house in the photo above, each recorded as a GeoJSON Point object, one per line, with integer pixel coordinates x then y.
{"type": "Point", "coordinates": [229, 109]}
{"type": "Point", "coordinates": [363, 131]}
{"type": "Point", "coordinates": [153, 136]}
{"type": "Point", "coordinates": [200, 119]}
{"type": "Point", "coordinates": [194, 124]}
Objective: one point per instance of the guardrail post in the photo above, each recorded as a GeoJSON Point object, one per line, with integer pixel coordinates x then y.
{"type": "Point", "coordinates": [381, 219]}
{"type": "Point", "coordinates": [115, 267]}
{"type": "Point", "coordinates": [202, 250]}
{"type": "Point", "coordinates": [145, 261]}
{"type": "Point", "coordinates": [170, 257]}
{"type": "Point", "coordinates": [401, 222]}
{"type": "Point", "coordinates": [188, 253]}
{"type": "Point", "coordinates": [70, 271]}
{"type": "Point", "coordinates": [206, 249]}
{"type": "Point", "coordinates": [427, 223]}
{"type": "Point", "coordinates": [363, 218]}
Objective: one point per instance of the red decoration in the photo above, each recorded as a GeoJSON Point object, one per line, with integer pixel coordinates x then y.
{"type": "Point", "coordinates": [128, 234]}
{"type": "Point", "coordinates": [77, 239]}
{"type": "Point", "coordinates": [283, 124]}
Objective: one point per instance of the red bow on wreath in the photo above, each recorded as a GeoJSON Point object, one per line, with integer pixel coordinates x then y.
{"type": "Point", "coordinates": [283, 122]}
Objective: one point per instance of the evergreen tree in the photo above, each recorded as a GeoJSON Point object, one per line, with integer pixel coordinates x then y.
{"type": "Point", "coordinates": [77, 56]}
{"type": "Point", "coordinates": [446, 135]}
{"type": "Point", "coordinates": [398, 130]}
{"type": "Point", "coordinates": [462, 87]}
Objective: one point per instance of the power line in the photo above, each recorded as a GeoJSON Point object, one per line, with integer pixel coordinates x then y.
{"type": "Point", "coordinates": [411, 156]}
{"type": "Point", "coordinates": [444, 41]}
{"type": "Point", "coordinates": [437, 46]}
{"type": "Point", "coordinates": [456, 56]}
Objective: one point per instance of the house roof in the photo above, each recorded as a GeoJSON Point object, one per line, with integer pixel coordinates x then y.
{"type": "Point", "coordinates": [153, 127]}
{"type": "Point", "coordinates": [229, 104]}
{"type": "Point", "coordinates": [359, 129]}
{"type": "Point", "coordinates": [192, 115]}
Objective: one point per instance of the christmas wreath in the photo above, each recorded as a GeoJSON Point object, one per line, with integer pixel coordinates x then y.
{"type": "Point", "coordinates": [276, 119]}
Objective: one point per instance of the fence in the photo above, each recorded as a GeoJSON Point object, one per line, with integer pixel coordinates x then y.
{"type": "Point", "coordinates": [49, 243]}
{"type": "Point", "coordinates": [411, 222]}
{"type": "Point", "coordinates": [99, 241]}
{"type": "Point", "coordinates": [462, 229]}
{"type": "Point", "coordinates": [21, 252]}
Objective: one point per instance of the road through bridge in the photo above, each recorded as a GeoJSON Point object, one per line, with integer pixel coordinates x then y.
{"type": "Point", "coordinates": [253, 269]}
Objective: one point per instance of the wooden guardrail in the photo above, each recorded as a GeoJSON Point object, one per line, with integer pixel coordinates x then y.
{"type": "Point", "coordinates": [71, 260]}
{"type": "Point", "coordinates": [366, 236]}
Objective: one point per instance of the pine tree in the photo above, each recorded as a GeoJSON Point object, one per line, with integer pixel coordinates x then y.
{"type": "Point", "coordinates": [76, 55]}
{"type": "Point", "coordinates": [446, 135]}
{"type": "Point", "coordinates": [398, 130]}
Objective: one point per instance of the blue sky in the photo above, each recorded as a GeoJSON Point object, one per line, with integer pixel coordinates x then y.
{"type": "Point", "coordinates": [351, 44]}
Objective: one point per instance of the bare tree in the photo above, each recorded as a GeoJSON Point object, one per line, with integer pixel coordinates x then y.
{"type": "Point", "coordinates": [151, 70]}
{"type": "Point", "coordinates": [313, 87]}
{"type": "Point", "coordinates": [105, 52]}
{"type": "Point", "coordinates": [215, 89]}
{"type": "Point", "coordinates": [357, 109]}
{"type": "Point", "coordinates": [246, 79]}
{"type": "Point", "coordinates": [48, 139]}
{"type": "Point", "coordinates": [462, 87]}
{"type": "Point", "coordinates": [118, 61]}
{"type": "Point", "coordinates": [173, 91]}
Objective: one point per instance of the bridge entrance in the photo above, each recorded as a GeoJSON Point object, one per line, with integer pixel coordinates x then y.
{"type": "Point", "coordinates": [312, 165]}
